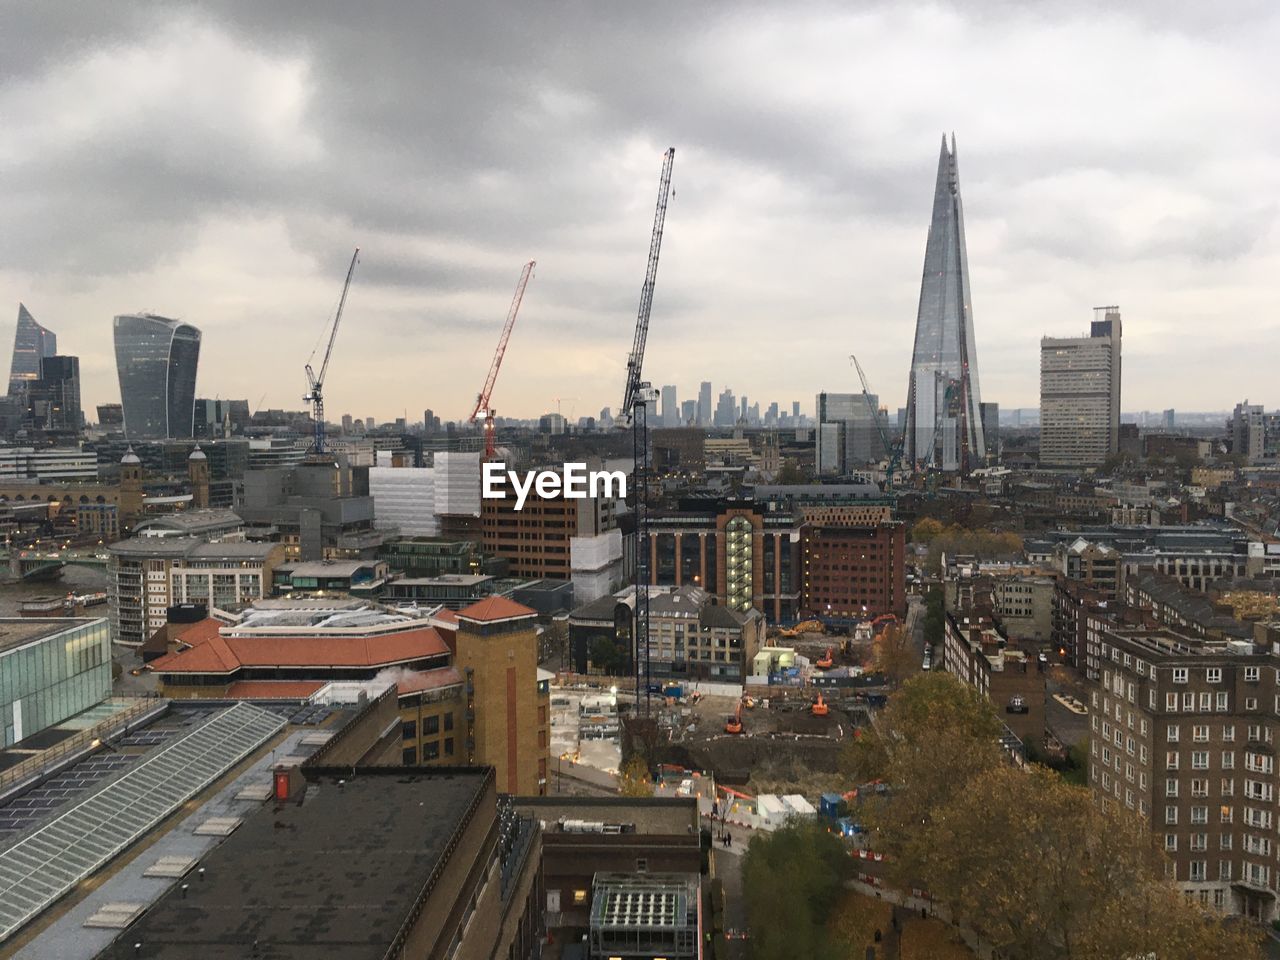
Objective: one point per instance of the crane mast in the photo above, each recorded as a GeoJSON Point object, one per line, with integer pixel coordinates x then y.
{"type": "Point", "coordinates": [636, 360]}
{"type": "Point", "coordinates": [637, 398]}
{"type": "Point", "coordinates": [315, 384]}
{"type": "Point", "coordinates": [482, 408]}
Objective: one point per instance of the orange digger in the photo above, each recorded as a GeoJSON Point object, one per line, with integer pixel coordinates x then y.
{"type": "Point", "coordinates": [733, 723]}
{"type": "Point", "coordinates": [820, 708]}
{"type": "Point", "coordinates": [826, 660]}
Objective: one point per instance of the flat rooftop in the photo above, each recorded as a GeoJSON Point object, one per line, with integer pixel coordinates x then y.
{"type": "Point", "coordinates": [16, 631]}
{"type": "Point", "coordinates": [335, 876]}
{"type": "Point", "coordinates": [663, 816]}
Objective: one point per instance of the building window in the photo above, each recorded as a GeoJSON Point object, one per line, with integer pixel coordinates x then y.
{"type": "Point", "coordinates": [409, 730]}
{"type": "Point", "coordinates": [431, 750]}
{"type": "Point", "coordinates": [448, 746]}
{"type": "Point", "coordinates": [409, 757]}
{"type": "Point", "coordinates": [1170, 814]}
{"type": "Point", "coordinates": [1170, 701]}
{"type": "Point", "coordinates": [1251, 674]}
{"type": "Point", "coordinates": [1200, 760]}
{"type": "Point", "coordinates": [1213, 675]}
{"type": "Point", "coordinates": [1171, 842]}
{"type": "Point", "coordinates": [448, 721]}
{"type": "Point", "coordinates": [430, 725]}
{"type": "Point", "coordinates": [1171, 760]}
{"type": "Point", "coordinates": [1200, 733]}
{"type": "Point", "coordinates": [1173, 733]}
{"type": "Point", "coordinates": [1180, 675]}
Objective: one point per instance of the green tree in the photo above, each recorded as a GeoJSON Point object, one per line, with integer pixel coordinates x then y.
{"type": "Point", "coordinates": [791, 879]}
{"type": "Point", "coordinates": [1046, 873]}
{"type": "Point", "coordinates": [934, 616]}
{"type": "Point", "coordinates": [634, 779]}
{"type": "Point", "coordinates": [895, 654]}
{"type": "Point", "coordinates": [925, 530]}
{"type": "Point", "coordinates": [606, 655]}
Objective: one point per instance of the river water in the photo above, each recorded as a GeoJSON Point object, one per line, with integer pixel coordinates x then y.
{"type": "Point", "coordinates": [78, 579]}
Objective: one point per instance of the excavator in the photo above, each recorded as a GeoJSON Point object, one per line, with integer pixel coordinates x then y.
{"type": "Point", "coordinates": [820, 708]}
{"type": "Point", "coordinates": [733, 723]}
{"type": "Point", "coordinates": [826, 660]}
{"type": "Point", "coordinates": [805, 626]}
{"type": "Point", "coordinates": [883, 620]}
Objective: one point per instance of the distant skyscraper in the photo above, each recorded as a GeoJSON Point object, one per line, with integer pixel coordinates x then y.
{"type": "Point", "coordinates": [1080, 394]}
{"type": "Point", "coordinates": [846, 436]}
{"type": "Point", "coordinates": [156, 361]}
{"type": "Point", "coordinates": [31, 343]}
{"type": "Point", "coordinates": [53, 401]}
{"type": "Point", "coordinates": [944, 421]}
{"type": "Point", "coordinates": [688, 412]}
{"type": "Point", "coordinates": [726, 410]}
{"type": "Point", "coordinates": [704, 404]}
{"type": "Point", "coordinates": [670, 407]}
{"type": "Point", "coordinates": [795, 410]}
{"type": "Point", "coordinates": [1170, 420]}
{"type": "Point", "coordinates": [369, 424]}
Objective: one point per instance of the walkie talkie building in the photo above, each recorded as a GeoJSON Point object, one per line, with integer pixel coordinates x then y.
{"type": "Point", "coordinates": [156, 360]}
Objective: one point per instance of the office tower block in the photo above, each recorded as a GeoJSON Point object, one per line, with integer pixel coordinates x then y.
{"type": "Point", "coordinates": [944, 422]}
{"type": "Point", "coordinates": [1080, 394]}
{"type": "Point", "coordinates": [726, 410]}
{"type": "Point", "coordinates": [53, 400]}
{"type": "Point", "coordinates": [670, 407]}
{"type": "Point", "coordinates": [31, 344]}
{"type": "Point", "coordinates": [156, 360]}
{"type": "Point", "coordinates": [704, 404]}
{"type": "Point", "coordinates": [846, 436]}
{"type": "Point", "coordinates": [688, 413]}
{"type": "Point", "coordinates": [991, 430]}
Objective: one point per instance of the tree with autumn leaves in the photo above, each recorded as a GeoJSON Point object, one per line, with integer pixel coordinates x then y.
{"type": "Point", "coordinates": [1030, 861]}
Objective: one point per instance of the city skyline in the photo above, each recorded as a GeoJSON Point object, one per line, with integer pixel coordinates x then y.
{"type": "Point", "coordinates": [797, 214]}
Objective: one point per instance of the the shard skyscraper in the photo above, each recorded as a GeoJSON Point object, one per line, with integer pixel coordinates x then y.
{"type": "Point", "coordinates": [944, 418]}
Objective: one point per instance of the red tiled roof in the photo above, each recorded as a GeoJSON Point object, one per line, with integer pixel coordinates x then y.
{"type": "Point", "coordinates": [273, 689]}
{"type": "Point", "coordinates": [219, 654]}
{"type": "Point", "coordinates": [448, 616]}
{"type": "Point", "coordinates": [495, 608]}
{"type": "Point", "coordinates": [428, 680]}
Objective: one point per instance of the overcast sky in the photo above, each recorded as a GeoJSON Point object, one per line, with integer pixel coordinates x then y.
{"type": "Point", "coordinates": [219, 163]}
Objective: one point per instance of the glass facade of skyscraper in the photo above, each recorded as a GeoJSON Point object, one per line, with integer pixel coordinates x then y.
{"type": "Point", "coordinates": [156, 360]}
{"type": "Point", "coordinates": [944, 420]}
{"type": "Point", "coordinates": [31, 343]}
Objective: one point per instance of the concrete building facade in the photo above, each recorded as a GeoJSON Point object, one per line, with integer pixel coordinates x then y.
{"type": "Point", "coordinates": [1080, 394]}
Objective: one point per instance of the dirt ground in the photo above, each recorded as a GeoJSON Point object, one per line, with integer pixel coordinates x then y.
{"type": "Point", "coordinates": [783, 745]}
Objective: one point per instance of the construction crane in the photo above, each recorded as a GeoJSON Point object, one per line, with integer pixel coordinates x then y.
{"type": "Point", "coordinates": [892, 450]}
{"type": "Point", "coordinates": [637, 397]}
{"type": "Point", "coordinates": [315, 384]}
{"type": "Point", "coordinates": [483, 408]}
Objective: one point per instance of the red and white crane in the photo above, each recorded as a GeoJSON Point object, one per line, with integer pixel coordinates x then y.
{"type": "Point", "coordinates": [483, 408]}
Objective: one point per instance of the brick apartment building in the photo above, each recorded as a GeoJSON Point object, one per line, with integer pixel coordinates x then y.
{"type": "Point", "coordinates": [535, 541]}
{"type": "Point", "coordinates": [854, 571]}
{"type": "Point", "coordinates": [1011, 678]}
{"type": "Point", "coordinates": [1183, 734]}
